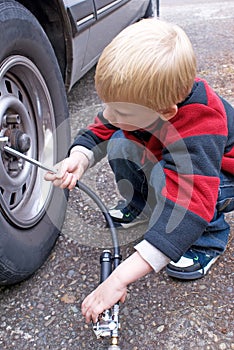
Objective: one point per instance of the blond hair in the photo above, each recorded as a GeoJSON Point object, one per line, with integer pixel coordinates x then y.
{"type": "Point", "coordinates": [151, 63]}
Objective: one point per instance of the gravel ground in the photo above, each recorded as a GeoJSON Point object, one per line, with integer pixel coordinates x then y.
{"type": "Point", "coordinates": [160, 313]}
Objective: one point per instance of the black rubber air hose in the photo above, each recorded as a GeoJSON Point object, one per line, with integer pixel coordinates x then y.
{"type": "Point", "coordinates": [117, 257]}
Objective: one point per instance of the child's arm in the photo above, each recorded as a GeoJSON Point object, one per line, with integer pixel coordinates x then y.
{"type": "Point", "coordinates": [114, 288]}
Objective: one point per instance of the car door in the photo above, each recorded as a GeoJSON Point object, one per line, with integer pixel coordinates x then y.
{"type": "Point", "coordinates": [111, 17]}
{"type": "Point", "coordinates": [95, 23]}
{"type": "Point", "coordinates": [106, 6]}
{"type": "Point", "coordinates": [82, 15]}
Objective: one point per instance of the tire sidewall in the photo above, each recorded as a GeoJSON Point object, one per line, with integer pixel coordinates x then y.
{"type": "Point", "coordinates": [23, 251]}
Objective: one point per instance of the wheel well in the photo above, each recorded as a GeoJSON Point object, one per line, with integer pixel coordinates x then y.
{"type": "Point", "coordinates": [52, 18]}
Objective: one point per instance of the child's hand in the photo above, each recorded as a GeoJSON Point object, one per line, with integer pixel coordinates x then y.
{"type": "Point", "coordinates": [103, 298]}
{"type": "Point", "coordinates": [114, 288]}
{"type": "Point", "coordinates": [70, 170]}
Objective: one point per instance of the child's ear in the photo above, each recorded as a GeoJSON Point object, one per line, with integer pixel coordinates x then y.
{"type": "Point", "coordinates": [170, 112]}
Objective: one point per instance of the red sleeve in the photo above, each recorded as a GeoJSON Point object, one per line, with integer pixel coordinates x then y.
{"type": "Point", "coordinates": [102, 128]}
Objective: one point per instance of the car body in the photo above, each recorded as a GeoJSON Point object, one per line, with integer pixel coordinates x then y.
{"type": "Point", "coordinates": [45, 48]}
{"type": "Point", "coordinates": [79, 30]}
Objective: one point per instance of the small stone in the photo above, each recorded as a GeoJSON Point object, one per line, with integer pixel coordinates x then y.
{"type": "Point", "coordinates": [160, 329]}
{"type": "Point", "coordinates": [50, 321]}
{"type": "Point", "coordinates": [41, 306]}
{"type": "Point", "coordinates": [74, 309]}
{"type": "Point", "coordinates": [202, 287]}
{"type": "Point", "coordinates": [70, 273]}
{"type": "Point", "coordinates": [68, 299]}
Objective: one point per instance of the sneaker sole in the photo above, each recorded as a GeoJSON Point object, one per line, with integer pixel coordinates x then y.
{"type": "Point", "coordinates": [122, 226]}
{"type": "Point", "coordinates": [131, 224]}
{"type": "Point", "coordinates": [191, 275]}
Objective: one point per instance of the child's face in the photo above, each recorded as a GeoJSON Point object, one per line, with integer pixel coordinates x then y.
{"type": "Point", "coordinates": [129, 116]}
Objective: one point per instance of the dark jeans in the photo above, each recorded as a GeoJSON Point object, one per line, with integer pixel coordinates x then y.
{"type": "Point", "coordinates": [135, 185]}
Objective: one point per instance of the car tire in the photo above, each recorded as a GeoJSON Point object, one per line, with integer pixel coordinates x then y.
{"type": "Point", "coordinates": [33, 110]}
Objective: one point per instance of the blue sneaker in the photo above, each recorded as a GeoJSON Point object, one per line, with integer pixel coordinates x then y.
{"type": "Point", "coordinates": [192, 265]}
{"type": "Point", "coordinates": [125, 216]}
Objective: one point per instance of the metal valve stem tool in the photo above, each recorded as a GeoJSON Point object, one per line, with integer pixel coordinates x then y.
{"type": "Point", "coordinates": [18, 154]}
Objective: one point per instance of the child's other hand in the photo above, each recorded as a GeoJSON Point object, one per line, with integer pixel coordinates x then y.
{"type": "Point", "coordinates": [114, 288]}
{"type": "Point", "coordinates": [70, 170]}
{"type": "Point", "coordinates": [103, 298]}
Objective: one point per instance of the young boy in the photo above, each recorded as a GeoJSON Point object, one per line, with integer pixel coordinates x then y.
{"type": "Point", "coordinates": [170, 143]}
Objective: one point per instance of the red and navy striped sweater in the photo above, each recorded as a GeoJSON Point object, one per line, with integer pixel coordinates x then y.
{"type": "Point", "coordinates": [189, 152]}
